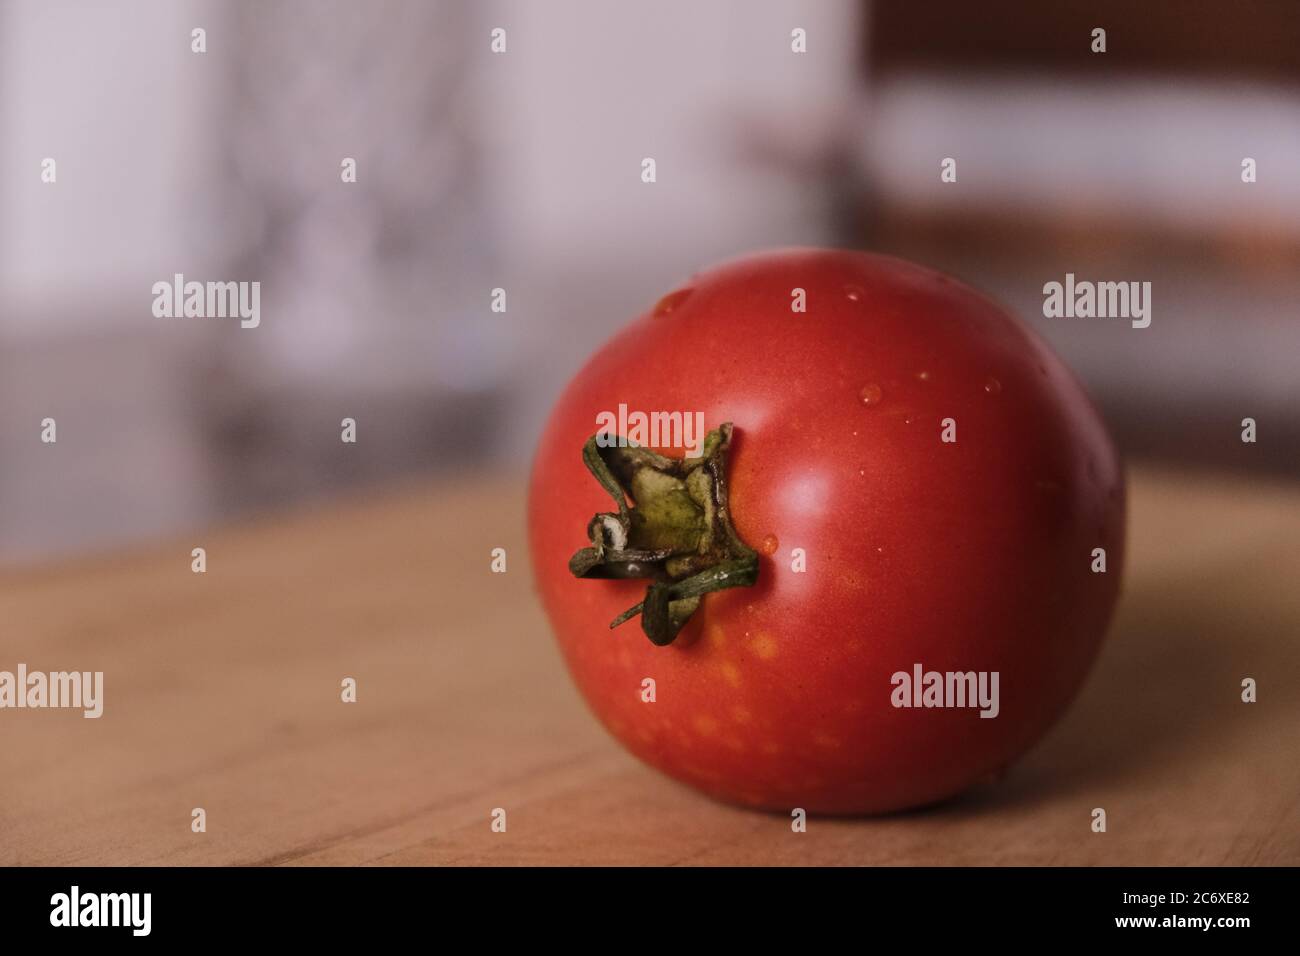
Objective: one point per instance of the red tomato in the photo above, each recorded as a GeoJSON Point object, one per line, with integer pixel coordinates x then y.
{"type": "Point", "coordinates": [882, 547]}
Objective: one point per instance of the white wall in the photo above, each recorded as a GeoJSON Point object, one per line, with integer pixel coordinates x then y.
{"type": "Point", "coordinates": [112, 92]}
{"type": "Point", "coordinates": [585, 92]}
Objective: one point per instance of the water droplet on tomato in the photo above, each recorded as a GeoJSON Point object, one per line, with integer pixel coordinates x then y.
{"type": "Point", "coordinates": [870, 394]}
{"type": "Point", "coordinates": [992, 386]}
{"type": "Point", "coordinates": [671, 301]}
{"type": "Point", "coordinates": [923, 376]}
{"type": "Point", "coordinates": [854, 293]}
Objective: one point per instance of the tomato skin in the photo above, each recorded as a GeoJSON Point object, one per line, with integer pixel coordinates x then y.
{"type": "Point", "coordinates": [974, 555]}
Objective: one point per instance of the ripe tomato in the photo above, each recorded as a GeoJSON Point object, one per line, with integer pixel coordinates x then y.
{"type": "Point", "coordinates": [921, 485]}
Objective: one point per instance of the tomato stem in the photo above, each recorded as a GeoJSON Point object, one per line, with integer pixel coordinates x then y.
{"type": "Point", "coordinates": [677, 532]}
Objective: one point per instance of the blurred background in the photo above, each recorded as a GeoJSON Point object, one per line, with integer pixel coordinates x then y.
{"type": "Point", "coordinates": [521, 171]}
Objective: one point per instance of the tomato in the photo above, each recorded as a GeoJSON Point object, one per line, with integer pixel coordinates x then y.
{"type": "Point", "coordinates": [920, 488]}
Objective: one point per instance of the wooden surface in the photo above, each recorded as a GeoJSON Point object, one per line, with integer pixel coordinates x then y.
{"type": "Point", "coordinates": [222, 692]}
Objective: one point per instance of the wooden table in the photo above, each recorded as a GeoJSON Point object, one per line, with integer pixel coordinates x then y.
{"type": "Point", "coordinates": [222, 691]}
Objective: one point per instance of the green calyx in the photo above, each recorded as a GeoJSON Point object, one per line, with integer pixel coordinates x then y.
{"type": "Point", "coordinates": [677, 533]}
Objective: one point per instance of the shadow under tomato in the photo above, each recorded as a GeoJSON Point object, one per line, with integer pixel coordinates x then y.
{"type": "Point", "coordinates": [1166, 692]}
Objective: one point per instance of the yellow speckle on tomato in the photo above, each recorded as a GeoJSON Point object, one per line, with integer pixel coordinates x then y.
{"type": "Point", "coordinates": [731, 673]}
{"type": "Point", "coordinates": [702, 773]}
{"type": "Point", "coordinates": [827, 742]}
{"type": "Point", "coordinates": [705, 725]}
{"type": "Point", "coordinates": [741, 715]}
{"type": "Point", "coordinates": [764, 646]}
